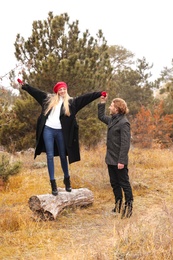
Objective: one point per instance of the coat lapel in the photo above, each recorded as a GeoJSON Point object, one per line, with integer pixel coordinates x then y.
{"type": "Point", "coordinates": [115, 120]}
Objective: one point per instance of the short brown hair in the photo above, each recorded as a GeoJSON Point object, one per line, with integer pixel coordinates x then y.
{"type": "Point", "coordinates": [121, 105]}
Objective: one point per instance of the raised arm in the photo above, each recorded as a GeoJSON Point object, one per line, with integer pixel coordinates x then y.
{"type": "Point", "coordinates": [37, 94]}
{"type": "Point", "coordinates": [85, 99]}
{"type": "Point", "coordinates": [101, 110]}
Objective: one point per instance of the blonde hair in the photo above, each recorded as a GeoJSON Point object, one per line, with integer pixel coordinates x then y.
{"type": "Point", "coordinates": [121, 105]}
{"type": "Point", "coordinates": [53, 99]}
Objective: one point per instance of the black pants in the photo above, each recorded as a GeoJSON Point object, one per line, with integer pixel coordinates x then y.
{"type": "Point", "coordinates": [119, 180]}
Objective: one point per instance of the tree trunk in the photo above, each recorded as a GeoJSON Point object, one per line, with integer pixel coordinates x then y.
{"type": "Point", "coordinates": [47, 206]}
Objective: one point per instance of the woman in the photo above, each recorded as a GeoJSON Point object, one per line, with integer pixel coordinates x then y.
{"type": "Point", "coordinates": [57, 128]}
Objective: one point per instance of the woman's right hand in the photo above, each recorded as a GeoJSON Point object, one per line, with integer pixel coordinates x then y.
{"type": "Point", "coordinates": [20, 82]}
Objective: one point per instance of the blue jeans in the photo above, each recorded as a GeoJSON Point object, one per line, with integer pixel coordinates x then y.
{"type": "Point", "coordinates": [50, 136]}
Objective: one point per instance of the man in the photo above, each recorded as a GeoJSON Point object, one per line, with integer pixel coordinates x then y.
{"type": "Point", "coordinates": [118, 144]}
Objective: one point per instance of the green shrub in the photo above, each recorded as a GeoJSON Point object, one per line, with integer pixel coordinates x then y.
{"type": "Point", "coordinates": [7, 169]}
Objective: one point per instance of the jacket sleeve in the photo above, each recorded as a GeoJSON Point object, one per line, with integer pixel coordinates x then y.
{"type": "Point", "coordinates": [83, 100]}
{"type": "Point", "coordinates": [37, 94]}
{"type": "Point", "coordinates": [125, 142]}
{"type": "Point", "coordinates": [101, 113]}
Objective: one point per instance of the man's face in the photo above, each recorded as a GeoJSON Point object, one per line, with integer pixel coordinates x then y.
{"type": "Point", "coordinates": [113, 109]}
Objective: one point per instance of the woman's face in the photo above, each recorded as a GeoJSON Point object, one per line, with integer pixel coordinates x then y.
{"type": "Point", "coordinates": [62, 92]}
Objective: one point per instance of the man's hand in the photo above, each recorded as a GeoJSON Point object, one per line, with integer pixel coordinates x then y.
{"type": "Point", "coordinates": [120, 166]}
{"type": "Point", "coordinates": [103, 97]}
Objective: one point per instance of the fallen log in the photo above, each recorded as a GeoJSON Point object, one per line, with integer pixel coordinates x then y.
{"type": "Point", "coordinates": [47, 206]}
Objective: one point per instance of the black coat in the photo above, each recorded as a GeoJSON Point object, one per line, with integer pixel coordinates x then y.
{"type": "Point", "coordinates": [69, 123]}
{"type": "Point", "coordinates": [118, 137]}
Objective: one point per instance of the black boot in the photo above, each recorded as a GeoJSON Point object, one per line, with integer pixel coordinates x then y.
{"type": "Point", "coordinates": [118, 205]}
{"type": "Point", "coordinates": [127, 210]}
{"type": "Point", "coordinates": [54, 187]}
{"type": "Point", "coordinates": [67, 184]}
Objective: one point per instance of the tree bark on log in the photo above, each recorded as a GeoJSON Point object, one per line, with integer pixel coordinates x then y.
{"type": "Point", "coordinates": [47, 206]}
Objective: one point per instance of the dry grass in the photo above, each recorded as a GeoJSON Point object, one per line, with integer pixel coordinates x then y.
{"type": "Point", "coordinates": [92, 233]}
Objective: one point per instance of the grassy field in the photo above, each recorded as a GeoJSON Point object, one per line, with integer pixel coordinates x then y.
{"type": "Point", "coordinates": [92, 233]}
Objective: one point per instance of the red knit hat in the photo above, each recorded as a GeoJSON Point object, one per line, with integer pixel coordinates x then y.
{"type": "Point", "coordinates": [59, 85]}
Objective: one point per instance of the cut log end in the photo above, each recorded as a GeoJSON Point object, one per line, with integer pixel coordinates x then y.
{"type": "Point", "coordinates": [47, 206]}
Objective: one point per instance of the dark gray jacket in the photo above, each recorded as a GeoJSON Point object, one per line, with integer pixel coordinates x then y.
{"type": "Point", "coordinates": [118, 137]}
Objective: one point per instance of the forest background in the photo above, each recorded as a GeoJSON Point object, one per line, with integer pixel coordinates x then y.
{"type": "Point", "coordinates": [58, 51]}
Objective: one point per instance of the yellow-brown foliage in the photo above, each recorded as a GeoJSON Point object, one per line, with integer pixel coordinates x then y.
{"type": "Point", "coordinates": [152, 128]}
{"type": "Point", "coordinates": [92, 233]}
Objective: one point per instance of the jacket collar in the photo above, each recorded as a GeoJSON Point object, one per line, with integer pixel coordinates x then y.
{"type": "Point", "coordinates": [115, 119]}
